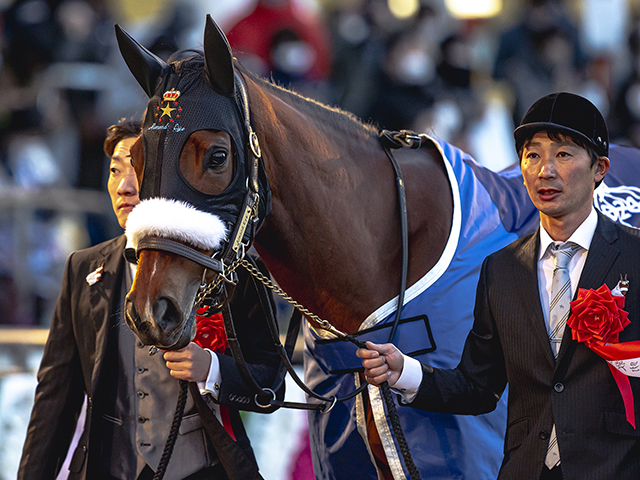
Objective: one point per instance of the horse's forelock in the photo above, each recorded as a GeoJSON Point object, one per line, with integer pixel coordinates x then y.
{"type": "Point", "coordinates": [186, 54]}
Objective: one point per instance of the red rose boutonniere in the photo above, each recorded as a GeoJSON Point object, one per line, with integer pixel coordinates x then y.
{"type": "Point", "coordinates": [210, 331]}
{"type": "Point", "coordinates": [597, 318]}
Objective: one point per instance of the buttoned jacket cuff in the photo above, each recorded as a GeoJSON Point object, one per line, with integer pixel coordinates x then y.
{"type": "Point", "coordinates": [214, 378]}
{"type": "Point", "coordinates": [410, 379]}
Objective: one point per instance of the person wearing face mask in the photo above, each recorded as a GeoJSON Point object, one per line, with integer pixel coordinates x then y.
{"type": "Point", "coordinates": [132, 394]}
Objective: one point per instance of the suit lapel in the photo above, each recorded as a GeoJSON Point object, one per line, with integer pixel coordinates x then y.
{"type": "Point", "coordinates": [530, 292]}
{"type": "Point", "coordinates": [601, 254]}
{"type": "Point", "coordinates": [103, 298]}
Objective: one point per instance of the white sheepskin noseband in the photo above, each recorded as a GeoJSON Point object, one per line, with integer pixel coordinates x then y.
{"type": "Point", "coordinates": [176, 220]}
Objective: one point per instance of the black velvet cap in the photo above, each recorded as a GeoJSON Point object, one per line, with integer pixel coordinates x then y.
{"type": "Point", "coordinates": [568, 113]}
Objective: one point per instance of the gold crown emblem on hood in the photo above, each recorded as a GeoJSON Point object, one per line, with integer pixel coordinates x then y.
{"type": "Point", "coordinates": [171, 95]}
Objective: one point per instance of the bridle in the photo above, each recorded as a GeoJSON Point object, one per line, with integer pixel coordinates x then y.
{"type": "Point", "coordinates": [217, 293]}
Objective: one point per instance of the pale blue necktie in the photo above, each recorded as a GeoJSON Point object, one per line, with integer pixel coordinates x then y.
{"type": "Point", "coordinates": [559, 308]}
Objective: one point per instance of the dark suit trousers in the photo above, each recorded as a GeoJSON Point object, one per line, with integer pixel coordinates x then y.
{"type": "Point", "coordinates": [212, 473]}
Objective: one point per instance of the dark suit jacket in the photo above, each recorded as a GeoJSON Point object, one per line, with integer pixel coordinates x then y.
{"type": "Point", "coordinates": [74, 357]}
{"type": "Point", "coordinates": [509, 344]}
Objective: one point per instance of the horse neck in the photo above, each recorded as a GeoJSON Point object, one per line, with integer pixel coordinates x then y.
{"type": "Point", "coordinates": [331, 240]}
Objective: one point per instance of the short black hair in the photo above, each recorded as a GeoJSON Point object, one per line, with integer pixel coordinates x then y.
{"type": "Point", "coordinates": [125, 128]}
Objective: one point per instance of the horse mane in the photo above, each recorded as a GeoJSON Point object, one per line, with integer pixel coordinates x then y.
{"type": "Point", "coordinates": [333, 117]}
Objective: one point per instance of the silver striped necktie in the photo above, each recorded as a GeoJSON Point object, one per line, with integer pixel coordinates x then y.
{"type": "Point", "coordinates": [559, 308]}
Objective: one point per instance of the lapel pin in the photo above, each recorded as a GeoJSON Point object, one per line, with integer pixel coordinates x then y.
{"type": "Point", "coordinates": [622, 287]}
{"type": "Point", "coordinates": [95, 276]}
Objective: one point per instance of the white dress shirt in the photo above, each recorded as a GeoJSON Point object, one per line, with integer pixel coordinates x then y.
{"type": "Point", "coordinates": [411, 376]}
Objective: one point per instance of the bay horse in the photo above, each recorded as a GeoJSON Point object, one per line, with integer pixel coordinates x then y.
{"type": "Point", "coordinates": [325, 215]}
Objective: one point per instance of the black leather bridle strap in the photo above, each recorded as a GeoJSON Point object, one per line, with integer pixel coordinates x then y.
{"type": "Point", "coordinates": [236, 351]}
{"type": "Point", "coordinates": [243, 369]}
{"type": "Point", "coordinates": [248, 215]}
{"type": "Point", "coordinates": [172, 246]}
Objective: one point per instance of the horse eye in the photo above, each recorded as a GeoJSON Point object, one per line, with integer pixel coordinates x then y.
{"type": "Point", "coordinates": [217, 159]}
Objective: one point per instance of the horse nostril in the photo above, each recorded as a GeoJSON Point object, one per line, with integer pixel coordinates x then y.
{"type": "Point", "coordinates": [130, 313]}
{"type": "Point", "coordinates": [166, 314]}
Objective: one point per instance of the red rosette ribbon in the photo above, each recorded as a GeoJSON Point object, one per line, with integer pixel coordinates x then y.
{"type": "Point", "coordinates": [597, 318]}
{"type": "Point", "coordinates": [210, 331]}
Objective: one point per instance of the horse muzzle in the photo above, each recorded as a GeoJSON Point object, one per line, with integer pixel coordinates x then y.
{"type": "Point", "coordinates": [161, 324]}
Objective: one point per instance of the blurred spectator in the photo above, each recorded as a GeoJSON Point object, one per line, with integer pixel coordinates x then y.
{"type": "Point", "coordinates": [281, 39]}
{"type": "Point", "coordinates": [405, 77]}
{"type": "Point", "coordinates": [625, 120]}
{"type": "Point", "coordinates": [358, 46]}
{"type": "Point", "coordinates": [406, 82]}
{"type": "Point", "coordinates": [31, 37]}
{"type": "Point", "coordinates": [456, 87]}
{"type": "Point", "coordinates": [540, 55]}
{"type": "Point", "coordinates": [10, 314]}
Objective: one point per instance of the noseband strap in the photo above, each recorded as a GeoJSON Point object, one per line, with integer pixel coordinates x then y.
{"type": "Point", "coordinates": [168, 245]}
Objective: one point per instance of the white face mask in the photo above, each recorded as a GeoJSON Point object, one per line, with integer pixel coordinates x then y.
{"type": "Point", "coordinates": [295, 57]}
{"type": "Point", "coordinates": [415, 67]}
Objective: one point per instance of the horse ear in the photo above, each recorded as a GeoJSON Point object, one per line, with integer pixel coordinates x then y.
{"type": "Point", "coordinates": [145, 66]}
{"type": "Point", "coordinates": [218, 60]}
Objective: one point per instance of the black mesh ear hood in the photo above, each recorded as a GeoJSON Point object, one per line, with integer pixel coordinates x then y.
{"type": "Point", "coordinates": [171, 117]}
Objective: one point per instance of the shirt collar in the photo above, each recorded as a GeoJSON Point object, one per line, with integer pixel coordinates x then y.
{"type": "Point", "coordinates": [582, 236]}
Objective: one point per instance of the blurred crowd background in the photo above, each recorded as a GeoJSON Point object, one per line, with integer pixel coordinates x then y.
{"type": "Point", "coordinates": [462, 70]}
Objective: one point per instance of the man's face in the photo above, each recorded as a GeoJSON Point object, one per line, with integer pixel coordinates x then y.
{"type": "Point", "coordinates": [560, 178]}
{"type": "Point", "coordinates": [122, 184]}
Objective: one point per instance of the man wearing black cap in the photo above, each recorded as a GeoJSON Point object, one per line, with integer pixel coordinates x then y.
{"type": "Point", "coordinates": [566, 414]}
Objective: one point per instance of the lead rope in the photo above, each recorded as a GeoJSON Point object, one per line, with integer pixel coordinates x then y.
{"type": "Point", "coordinates": [386, 389]}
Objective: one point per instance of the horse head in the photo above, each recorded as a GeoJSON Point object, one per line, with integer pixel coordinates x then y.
{"type": "Point", "coordinates": [196, 177]}
{"type": "Point", "coordinates": [331, 239]}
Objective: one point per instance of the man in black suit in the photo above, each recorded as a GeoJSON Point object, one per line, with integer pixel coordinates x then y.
{"type": "Point", "coordinates": [566, 416]}
{"type": "Point", "coordinates": [131, 394]}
